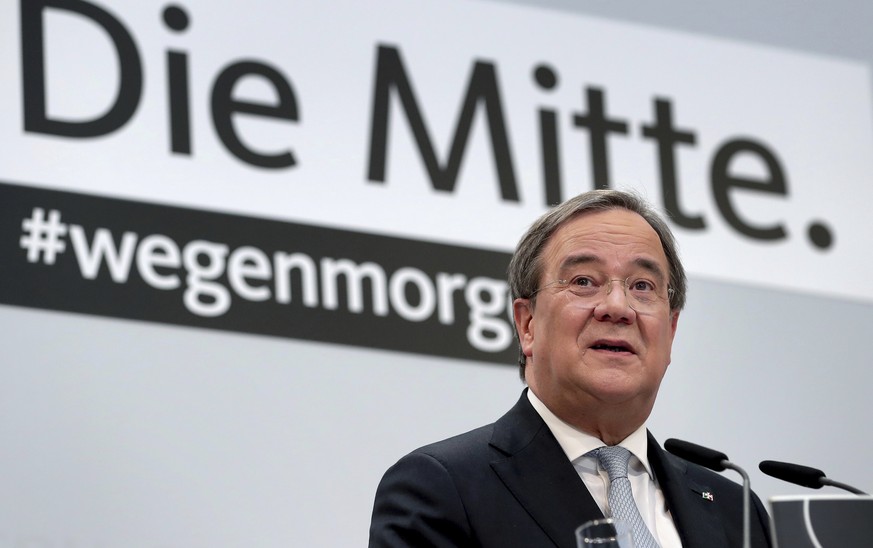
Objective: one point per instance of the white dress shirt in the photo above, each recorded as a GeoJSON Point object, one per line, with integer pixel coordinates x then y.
{"type": "Point", "coordinates": [647, 493]}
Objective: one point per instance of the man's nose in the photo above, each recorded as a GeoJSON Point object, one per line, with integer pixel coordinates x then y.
{"type": "Point", "coordinates": [614, 305]}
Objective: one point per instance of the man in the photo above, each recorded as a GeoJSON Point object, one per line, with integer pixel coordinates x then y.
{"type": "Point", "coordinates": [597, 287]}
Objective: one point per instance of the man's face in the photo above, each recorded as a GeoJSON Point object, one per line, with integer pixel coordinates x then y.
{"type": "Point", "coordinates": [598, 355]}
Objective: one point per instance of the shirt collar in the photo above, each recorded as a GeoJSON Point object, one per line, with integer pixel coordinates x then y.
{"type": "Point", "coordinates": [577, 443]}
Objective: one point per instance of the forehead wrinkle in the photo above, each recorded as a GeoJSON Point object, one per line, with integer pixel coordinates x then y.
{"type": "Point", "coordinates": [614, 239]}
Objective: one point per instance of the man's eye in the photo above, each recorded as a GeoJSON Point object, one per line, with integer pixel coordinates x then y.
{"type": "Point", "coordinates": [582, 281]}
{"type": "Point", "coordinates": [642, 286]}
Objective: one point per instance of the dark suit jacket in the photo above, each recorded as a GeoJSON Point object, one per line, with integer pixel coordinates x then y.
{"type": "Point", "coordinates": [510, 484]}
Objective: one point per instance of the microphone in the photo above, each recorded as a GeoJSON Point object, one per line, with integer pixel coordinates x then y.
{"type": "Point", "coordinates": [717, 461]}
{"type": "Point", "coordinates": [803, 476]}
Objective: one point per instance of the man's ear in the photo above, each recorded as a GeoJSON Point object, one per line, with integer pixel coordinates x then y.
{"type": "Point", "coordinates": [674, 323]}
{"type": "Point", "coordinates": [522, 313]}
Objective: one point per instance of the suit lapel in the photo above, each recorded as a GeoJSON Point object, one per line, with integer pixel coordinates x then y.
{"type": "Point", "coordinates": [537, 472]}
{"type": "Point", "coordinates": [691, 504]}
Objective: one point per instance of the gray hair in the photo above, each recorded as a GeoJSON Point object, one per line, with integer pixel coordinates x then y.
{"type": "Point", "coordinates": [525, 268]}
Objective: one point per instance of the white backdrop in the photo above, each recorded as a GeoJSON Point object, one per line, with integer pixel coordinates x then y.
{"type": "Point", "coordinates": [120, 432]}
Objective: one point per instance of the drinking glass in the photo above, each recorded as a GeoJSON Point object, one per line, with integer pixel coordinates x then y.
{"type": "Point", "coordinates": [604, 533]}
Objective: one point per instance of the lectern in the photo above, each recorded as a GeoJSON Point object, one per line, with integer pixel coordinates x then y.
{"type": "Point", "coordinates": [822, 521]}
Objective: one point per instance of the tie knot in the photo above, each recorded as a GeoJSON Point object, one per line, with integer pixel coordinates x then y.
{"type": "Point", "coordinates": [614, 460]}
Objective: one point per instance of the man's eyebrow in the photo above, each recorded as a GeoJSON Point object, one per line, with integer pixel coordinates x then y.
{"type": "Point", "coordinates": [652, 266]}
{"type": "Point", "coordinates": [577, 259]}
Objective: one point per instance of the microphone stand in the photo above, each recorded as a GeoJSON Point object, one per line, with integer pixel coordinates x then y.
{"type": "Point", "coordinates": [747, 502]}
{"type": "Point", "coordinates": [716, 461]}
{"type": "Point", "coordinates": [839, 485]}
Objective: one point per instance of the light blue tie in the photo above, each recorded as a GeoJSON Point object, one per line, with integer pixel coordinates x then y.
{"type": "Point", "coordinates": [614, 460]}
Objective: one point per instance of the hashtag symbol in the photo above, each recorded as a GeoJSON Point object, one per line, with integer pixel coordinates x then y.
{"type": "Point", "coordinates": [43, 236]}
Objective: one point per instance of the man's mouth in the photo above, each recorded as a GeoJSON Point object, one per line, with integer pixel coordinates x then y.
{"type": "Point", "coordinates": [612, 346]}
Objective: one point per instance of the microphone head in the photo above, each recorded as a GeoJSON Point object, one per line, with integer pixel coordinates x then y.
{"type": "Point", "coordinates": [708, 458]}
{"type": "Point", "coordinates": [793, 473]}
